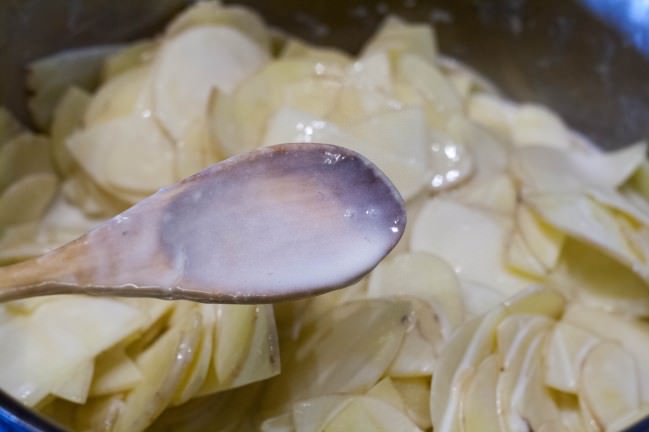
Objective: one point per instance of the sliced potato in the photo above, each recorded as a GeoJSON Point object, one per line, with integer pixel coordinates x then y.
{"type": "Point", "coordinates": [425, 276]}
{"type": "Point", "coordinates": [48, 78]}
{"type": "Point", "coordinates": [22, 155]}
{"type": "Point", "coordinates": [213, 13]}
{"type": "Point", "coordinates": [415, 393]}
{"type": "Point", "coordinates": [609, 382]}
{"type": "Point", "coordinates": [398, 37]}
{"type": "Point", "coordinates": [564, 353]}
{"type": "Point", "coordinates": [115, 372]}
{"type": "Point", "coordinates": [536, 125]}
{"type": "Point", "coordinates": [193, 62]}
{"type": "Point", "coordinates": [544, 241]}
{"type": "Point", "coordinates": [67, 117]}
{"type": "Point", "coordinates": [9, 126]}
{"type": "Point", "coordinates": [130, 57]}
{"type": "Point", "coordinates": [75, 388]}
{"type": "Point", "coordinates": [479, 408]}
{"type": "Point", "coordinates": [478, 257]}
{"type": "Point", "coordinates": [27, 199]}
{"type": "Point", "coordinates": [128, 153]}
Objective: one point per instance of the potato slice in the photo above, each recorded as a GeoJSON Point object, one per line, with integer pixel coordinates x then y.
{"type": "Point", "coordinates": [128, 153]}
{"type": "Point", "coordinates": [520, 258]}
{"type": "Point", "coordinates": [609, 382]}
{"type": "Point", "coordinates": [134, 55]}
{"type": "Point", "coordinates": [67, 117]}
{"type": "Point", "coordinates": [48, 78]}
{"type": "Point", "coordinates": [163, 366]}
{"type": "Point", "coordinates": [496, 194]}
{"type": "Point", "coordinates": [115, 372]}
{"type": "Point", "coordinates": [596, 280]}
{"type": "Point", "coordinates": [478, 257]}
{"type": "Point", "coordinates": [633, 335]}
{"type": "Point", "coordinates": [415, 393]}
{"type": "Point", "coordinates": [22, 155]}
{"type": "Point", "coordinates": [369, 331]}
{"type": "Point", "coordinates": [27, 199]}
{"type": "Point", "coordinates": [241, 120]}
{"type": "Point", "coordinates": [425, 276]}
{"type": "Point", "coordinates": [536, 125]}
{"type": "Point", "coordinates": [479, 409]}
{"type": "Point", "coordinates": [9, 126]}
{"type": "Point", "coordinates": [193, 62]}
{"type": "Point", "coordinates": [492, 112]}
{"type": "Point", "coordinates": [564, 353]}
{"type": "Point", "coordinates": [340, 413]}
{"type": "Point", "coordinates": [75, 388]}
{"type": "Point", "coordinates": [520, 390]}
{"type": "Point", "coordinates": [581, 217]}
{"type": "Point", "coordinates": [214, 14]}
{"type": "Point", "coordinates": [544, 241]}
{"type": "Point", "coordinates": [125, 95]}
{"type": "Point", "coordinates": [479, 298]}
{"type": "Point", "coordinates": [66, 331]}
{"type": "Point", "coordinates": [451, 163]}
{"type": "Point", "coordinates": [397, 37]}
{"type": "Point", "coordinates": [421, 344]}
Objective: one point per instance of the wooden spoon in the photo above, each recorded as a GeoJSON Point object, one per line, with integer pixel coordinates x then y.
{"type": "Point", "coordinates": [278, 223]}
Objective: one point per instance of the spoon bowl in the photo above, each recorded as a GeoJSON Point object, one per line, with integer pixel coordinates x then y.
{"type": "Point", "coordinates": [282, 222]}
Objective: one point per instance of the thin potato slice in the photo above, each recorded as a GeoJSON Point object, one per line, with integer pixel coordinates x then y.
{"type": "Point", "coordinates": [193, 62]}
{"type": "Point", "coordinates": [27, 199]}
{"type": "Point", "coordinates": [67, 117]}
{"type": "Point", "coordinates": [415, 393]}
{"type": "Point", "coordinates": [130, 57]}
{"type": "Point", "coordinates": [425, 276]}
{"type": "Point", "coordinates": [212, 13]}
{"type": "Point", "coordinates": [9, 126]}
{"type": "Point", "coordinates": [75, 388]}
{"type": "Point", "coordinates": [22, 155]}
{"type": "Point", "coordinates": [479, 409]}
{"type": "Point", "coordinates": [115, 372]}
{"type": "Point", "coordinates": [479, 256]}
{"type": "Point", "coordinates": [609, 383]}
{"type": "Point", "coordinates": [128, 153]}
{"type": "Point", "coordinates": [369, 331]}
{"type": "Point", "coordinates": [544, 241]}
{"type": "Point", "coordinates": [398, 37]}
{"type": "Point", "coordinates": [564, 352]}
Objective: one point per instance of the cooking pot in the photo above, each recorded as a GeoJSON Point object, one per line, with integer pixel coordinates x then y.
{"type": "Point", "coordinates": [586, 59]}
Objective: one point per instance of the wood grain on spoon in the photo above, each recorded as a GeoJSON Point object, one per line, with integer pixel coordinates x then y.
{"type": "Point", "coordinates": [281, 222]}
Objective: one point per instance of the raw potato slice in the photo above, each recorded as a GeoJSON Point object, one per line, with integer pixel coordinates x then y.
{"type": "Point", "coordinates": [537, 125]}
{"type": "Point", "coordinates": [125, 95]}
{"type": "Point", "coordinates": [633, 335]}
{"type": "Point", "coordinates": [66, 331]}
{"type": "Point", "coordinates": [478, 257]}
{"type": "Point", "coordinates": [67, 117]}
{"type": "Point", "coordinates": [128, 153]}
{"type": "Point", "coordinates": [492, 112]}
{"type": "Point", "coordinates": [496, 194]}
{"type": "Point", "coordinates": [163, 367]}
{"type": "Point", "coordinates": [479, 298]}
{"type": "Point", "coordinates": [609, 383]}
{"type": "Point", "coordinates": [479, 409]}
{"type": "Point", "coordinates": [544, 241]}
{"type": "Point", "coordinates": [627, 421]}
{"type": "Point", "coordinates": [520, 341]}
{"type": "Point", "coordinates": [564, 352]}
{"type": "Point", "coordinates": [451, 162]}
{"type": "Point", "coordinates": [359, 413]}
{"type": "Point", "coordinates": [545, 169]}
{"type": "Point", "coordinates": [234, 328]}
{"type": "Point", "coordinates": [212, 13]}
{"type": "Point", "coordinates": [520, 258]}
{"type": "Point", "coordinates": [425, 276]}
{"type": "Point", "coordinates": [130, 57]}
{"type": "Point", "coordinates": [385, 391]}
{"type": "Point", "coordinates": [369, 331]}
{"type": "Point", "coordinates": [240, 120]}
{"type": "Point", "coordinates": [430, 83]}
{"type": "Point", "coordinates": [415, 393]}
{"type": "Point", "coordinates": [48, 78]}
{"type": "Point", "coordinates": [22, 155]}
{"type": "Point", "coordinates": [75, 388]}
{"type": "Point", "coordinates": [579, 216]}
{"type": "Point", "coordinates": [190, 64]}
{"type": "Point", "coordinates": [9, 126]}
{"type": "Point", "coordinates": [27, 199]}
{"type": "Point", "coordinates": [115, 372]}
{"type": "Point", "coordinates": [397, 37]}
{"type": "Point", "coordinates": [421, 344]}
{"type": "Point", "coordinates": [596, 280]}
